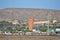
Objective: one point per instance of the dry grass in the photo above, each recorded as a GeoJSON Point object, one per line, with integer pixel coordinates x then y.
{"type": "Point", "coordinates": [29, 38]}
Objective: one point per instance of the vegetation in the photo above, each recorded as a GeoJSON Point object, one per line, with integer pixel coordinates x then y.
{"type": "Point", "coordinates": [43, 29]}
{"type": "Point", "coordinates": [27, 30]}
{"type": "Point", "coordinates": [21, 28]}
{"type": "Point", "coordinates": [9, 27]}
{"type": "Point", "coordinates": [4, 24]}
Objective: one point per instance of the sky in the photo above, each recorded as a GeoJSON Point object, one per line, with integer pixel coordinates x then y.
{"type": "Point", "coordinates": [45, 4]}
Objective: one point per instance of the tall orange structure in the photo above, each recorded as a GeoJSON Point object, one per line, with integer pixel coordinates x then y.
{"type": "Point", "coordinates": [30, 23]}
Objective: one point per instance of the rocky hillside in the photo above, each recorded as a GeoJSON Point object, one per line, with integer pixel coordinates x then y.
{"type": "Point", "coordinates": [24, 13]}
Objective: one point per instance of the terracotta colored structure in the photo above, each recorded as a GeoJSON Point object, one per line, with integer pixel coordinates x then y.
{"type": "Point", "coordinates": [30, 23]}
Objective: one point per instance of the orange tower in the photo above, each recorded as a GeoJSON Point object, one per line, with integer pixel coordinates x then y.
{"type": "Point", "coordinates": [30, 23]}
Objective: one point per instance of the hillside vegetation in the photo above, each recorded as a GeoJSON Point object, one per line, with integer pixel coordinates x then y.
{"type": "Point", "coordinates": [24, 13]}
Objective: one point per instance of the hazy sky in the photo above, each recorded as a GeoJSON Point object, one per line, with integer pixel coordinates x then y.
{"type": "Point", "coordinates": [46, 4]}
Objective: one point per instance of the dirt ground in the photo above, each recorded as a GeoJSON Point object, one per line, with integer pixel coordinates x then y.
{"type": "Point", "coordinates": [29, 38]}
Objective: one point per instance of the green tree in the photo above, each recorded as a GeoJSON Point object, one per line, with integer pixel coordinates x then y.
{"type": "Point", "coordinates": [43, 28]}
{"type": "Point", "coordinates": [4, 25]}
{"type": "Point", "coordinates": [27, 30]}
{"type": "Point", "coordinates": [9, 29]}
{"type": "Point", "coordinates": [21, 28]}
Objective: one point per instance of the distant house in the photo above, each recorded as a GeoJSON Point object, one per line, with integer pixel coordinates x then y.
{"type": "Point", "coordinates": [42, 22]}
{"type": "Point", "coordinates": [15, 22]}
{"type": "Point", "coordinates": [8, 33]}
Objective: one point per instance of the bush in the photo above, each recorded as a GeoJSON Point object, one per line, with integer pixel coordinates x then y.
{"type": "Point", "coordinates": [43, 29]}
{"type": "Point", "coordinates": [27, 30]}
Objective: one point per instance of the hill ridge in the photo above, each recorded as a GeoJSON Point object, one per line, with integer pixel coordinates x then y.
{"type": "Point", "coordinates": [24, 13]}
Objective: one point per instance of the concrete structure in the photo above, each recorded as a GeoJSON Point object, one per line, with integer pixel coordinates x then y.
{"type": "Point", "coordinates": [42, 22]}
{"type": "Point", "coordinates": [15, 22]}
{"type": "Point", "coordinates": [30, 23]}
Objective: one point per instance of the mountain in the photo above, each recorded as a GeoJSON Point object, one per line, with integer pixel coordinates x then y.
{"type": "Point", "coordinates": [24, 13]}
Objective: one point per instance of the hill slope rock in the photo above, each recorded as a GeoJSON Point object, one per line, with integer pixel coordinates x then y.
{"type": "Point", "coordinates": [24, 13]}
